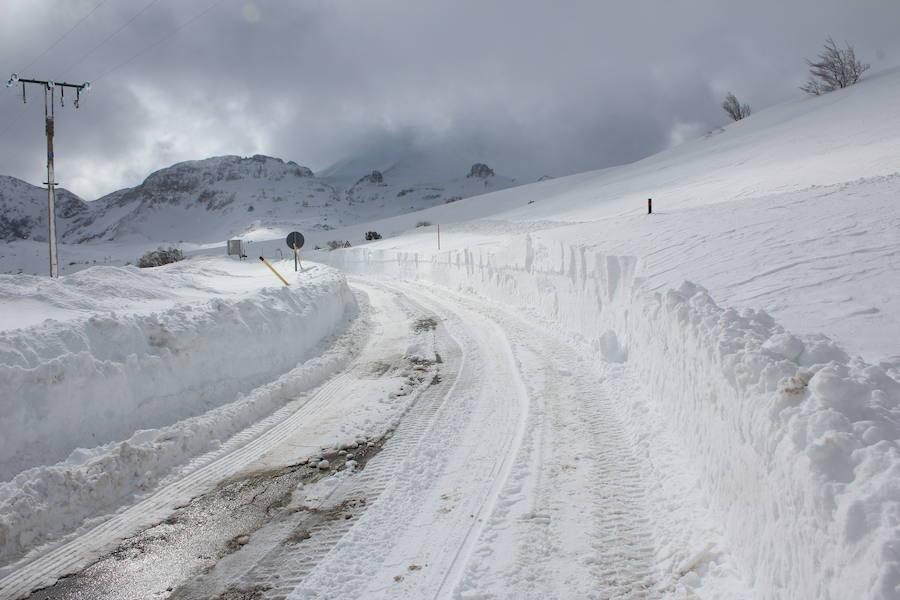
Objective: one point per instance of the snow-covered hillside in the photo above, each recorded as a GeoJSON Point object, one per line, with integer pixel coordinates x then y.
{"type": "Point", "coordinates": [23, 211]}
{"type": "Point", "coordinates": [791, 209]}
{"type": "Point", "coordinates": [699, 402]}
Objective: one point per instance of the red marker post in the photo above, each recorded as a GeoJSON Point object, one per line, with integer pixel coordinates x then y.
{"type": "Point", "coordinates": [649, 206]}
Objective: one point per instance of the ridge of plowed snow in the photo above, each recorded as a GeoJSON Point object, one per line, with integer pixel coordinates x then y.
{"type": "Point", "coordinates": [101, 389]}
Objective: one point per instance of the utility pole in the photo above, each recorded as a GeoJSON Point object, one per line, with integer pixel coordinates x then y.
{"type": "Point", "coordinates": [49, 98]}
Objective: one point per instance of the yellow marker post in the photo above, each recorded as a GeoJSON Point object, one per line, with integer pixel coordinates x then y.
{"type": "Point", "coordinates": [274, 271]}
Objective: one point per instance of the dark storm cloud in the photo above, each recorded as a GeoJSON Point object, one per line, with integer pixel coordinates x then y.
{"type": "Point", "coordinates": [531, 87]}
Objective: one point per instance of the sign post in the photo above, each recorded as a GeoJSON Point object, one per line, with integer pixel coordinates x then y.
{"type": "Point", "coordinates": [295, 242]}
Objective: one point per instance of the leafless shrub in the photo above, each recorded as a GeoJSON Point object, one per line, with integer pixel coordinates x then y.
{"type": "Point", "coordinates": [734, 108]}
{"type": "Point", "coordinates": [160, 256]}
{"type": "Point", "coordinates": [836, 68]}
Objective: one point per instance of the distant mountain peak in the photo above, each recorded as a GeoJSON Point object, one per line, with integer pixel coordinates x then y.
{"type": "Point", "coordinates": [190, 175]}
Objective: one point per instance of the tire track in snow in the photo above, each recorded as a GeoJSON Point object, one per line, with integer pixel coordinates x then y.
{"type": "Point", "coordinates": [502, 432]}
{"type": "Point", "coordinates": [412, 540]}
{"type": "Point", "coordinates": [285, 566]}
{"type": "Point", "coordinates": [544, 470]}
{"type": "Point", "coordinates": [576, 490]}
{"type": "Point", "coordinates": [70, 556]}
{"type": "Point", "coordinates": [289, 547]}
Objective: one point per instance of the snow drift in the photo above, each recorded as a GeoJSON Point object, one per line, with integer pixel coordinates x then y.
{"type": "Point", "coordinates": [123, 397]}
{"type": "Point", "coordinates": [65, 385]}
{"type": "Point", "coordinates": [795, 441]}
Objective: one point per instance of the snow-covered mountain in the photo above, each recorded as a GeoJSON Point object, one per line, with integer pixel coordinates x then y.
{"type": "Point", "coordinates": [23, 211]}
{"type": "Point", "coordinates": [392, 190]}
{"type": "Point", "coordinates": [226, 196]}
{"type": "Point", "coordinates": [210, 200]}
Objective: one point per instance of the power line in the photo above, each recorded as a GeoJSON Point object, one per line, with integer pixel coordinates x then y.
{"type": "Point", "coordinates": [65, 35]}
{"type": "Point", "coordinates": [9, 122]}
{"type": "Point", "coordinates": [109, 37]}
{"type": "Point", "coordinates": [160, 40]}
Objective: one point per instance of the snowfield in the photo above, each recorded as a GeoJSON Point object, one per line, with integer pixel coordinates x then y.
{"type": "Point", "coordinates": [570, 398]}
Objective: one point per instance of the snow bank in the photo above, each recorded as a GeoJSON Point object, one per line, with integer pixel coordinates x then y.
{"type": "Point", "coordinates": [84, 382]}
{"type": "Point", "coordinates": [45, 503]}
{"type": "Point", "coordinates": [171, 384]}
{"type": "Point", "coordinates": [795, 441]}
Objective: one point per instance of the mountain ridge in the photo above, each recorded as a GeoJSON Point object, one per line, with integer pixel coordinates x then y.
{"type": "Point", "coordinates": [212, 199]}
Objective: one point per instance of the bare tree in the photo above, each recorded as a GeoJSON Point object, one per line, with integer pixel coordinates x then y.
{"type": "Point", "coordinates": [735, 109]}
{"type": "Point", "coordinates": [836, 68]}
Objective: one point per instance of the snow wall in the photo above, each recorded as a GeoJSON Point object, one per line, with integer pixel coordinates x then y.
{"type": "Point", "coordinates": [795, 442]}
{"type": "Point", "coordinates": [185, 379]}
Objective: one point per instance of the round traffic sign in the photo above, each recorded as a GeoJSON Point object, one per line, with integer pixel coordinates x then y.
{"type": "Point", "coordinates": [294, 240]}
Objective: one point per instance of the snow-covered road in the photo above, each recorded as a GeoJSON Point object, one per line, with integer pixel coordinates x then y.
{"type": "Point", "coordinates": [500, 468]}
{"type": "Point", "coordinates": [540, 494]}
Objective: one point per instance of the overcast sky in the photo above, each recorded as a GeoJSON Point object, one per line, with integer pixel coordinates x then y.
{"type": "Point", "coordinates": [531, 87]}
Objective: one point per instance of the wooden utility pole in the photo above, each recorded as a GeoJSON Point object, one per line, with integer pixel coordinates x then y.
{"type": "Point", "coordinates": [49, 98]}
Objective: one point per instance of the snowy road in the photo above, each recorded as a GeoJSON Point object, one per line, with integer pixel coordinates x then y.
{"type": "Point", "coordinates": [538, 495]}
{"type": "Point", "coordinates": [507, 475]}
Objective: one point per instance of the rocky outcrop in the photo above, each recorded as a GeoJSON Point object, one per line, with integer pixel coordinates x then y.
{"type": "Point", "coordinates": [481, 171]}
{"type": "Point", "coordinates": [376, 177]}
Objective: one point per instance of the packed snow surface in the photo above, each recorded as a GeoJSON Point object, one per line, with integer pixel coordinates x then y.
{"type": "Point", "coordinates": [702, 402]}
